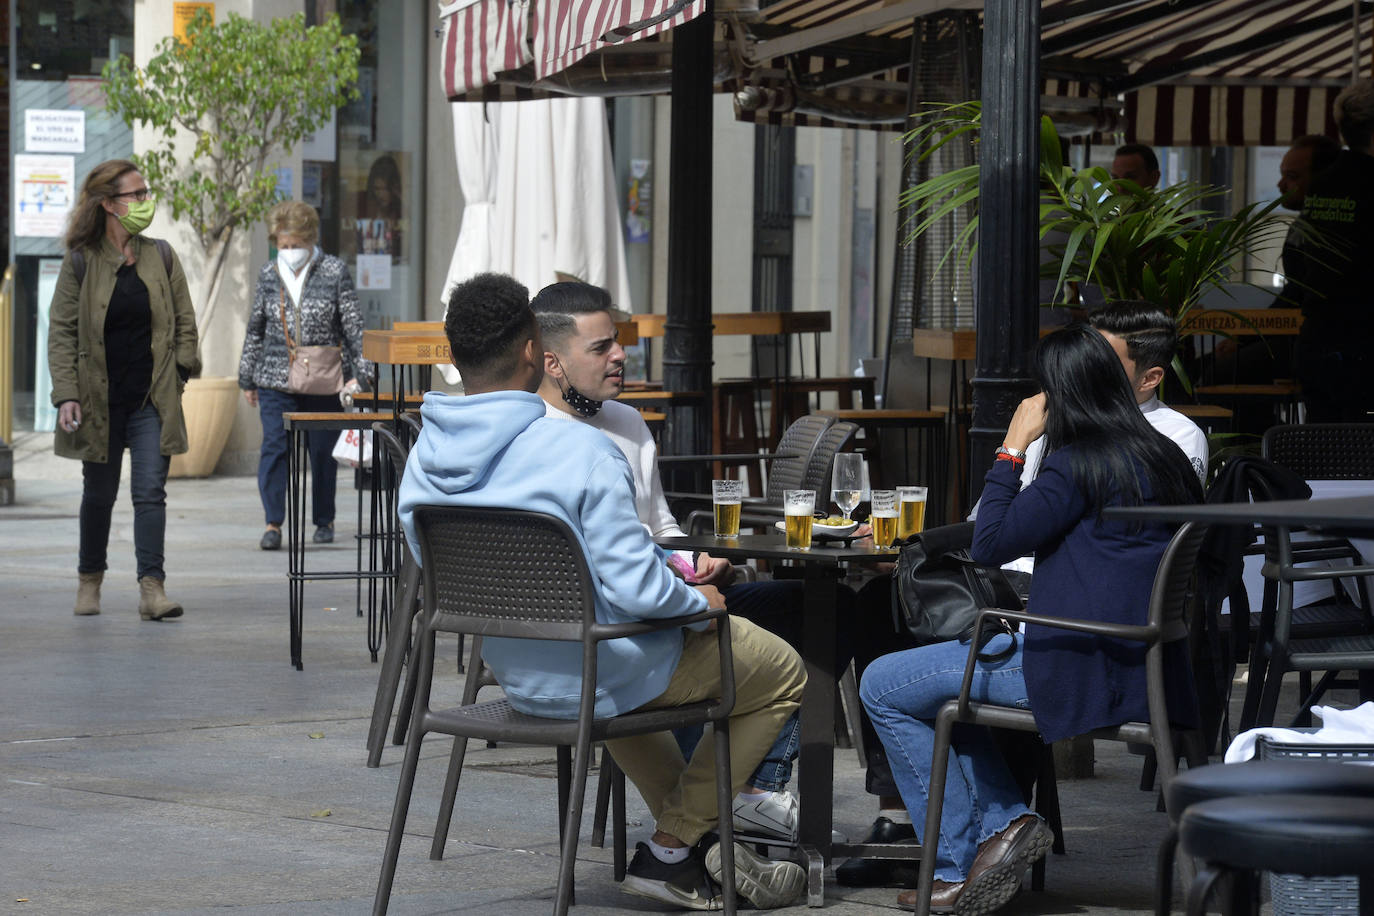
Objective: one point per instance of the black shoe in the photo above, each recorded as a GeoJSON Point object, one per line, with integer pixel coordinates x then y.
{"type": "Point", "coordinates": [324, 534]}
{"type": "Point", "coordinates": [271, 539]}
{"type": "Point", "coordinates": [881, 872]}
{"type": "Point", "coordinates": [683, 884]}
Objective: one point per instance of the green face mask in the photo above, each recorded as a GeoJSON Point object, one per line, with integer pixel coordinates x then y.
{"type": "Point", "coordinates": [140, 215]}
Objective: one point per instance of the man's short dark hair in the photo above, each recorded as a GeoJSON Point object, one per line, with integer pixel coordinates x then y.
{"type": "Point", "coordinates": [1324, 150]}
{"type": "Point", "coordinates": [1146, 155]}
{"type": "Point", "coordinates": [1151, 333]}
{"type": "Point", "coordinates": [488, 318]}
{"type": "Point", "coordinates": [557, 305]}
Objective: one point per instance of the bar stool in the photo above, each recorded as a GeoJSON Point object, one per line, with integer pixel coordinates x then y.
{"type": "Point", "coordinates": [1310, 835]}
{"type": "Point", "coordinates": [735, 427]}
{"type": "Point", "coordinates": [1213, 418]}
{"type": "Point", "coordinates": [1254, 778]}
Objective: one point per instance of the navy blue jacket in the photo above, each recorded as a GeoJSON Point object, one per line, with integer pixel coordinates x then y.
{"type": "Point", "coordinates": [1086, 568]}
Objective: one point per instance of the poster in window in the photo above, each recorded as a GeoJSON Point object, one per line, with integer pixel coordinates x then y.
{"type": "Point", "coordinates": [44, 190]}
{"type": "Point", "coordinates": [374, 220]}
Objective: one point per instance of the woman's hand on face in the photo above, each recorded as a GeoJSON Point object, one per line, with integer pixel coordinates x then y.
{"type": "Point", "coordinates": [1028, 424]}
{"type": "Point", "coordinates": [69, 416]}
{"type": "Point", "coordinates": [251, 396]}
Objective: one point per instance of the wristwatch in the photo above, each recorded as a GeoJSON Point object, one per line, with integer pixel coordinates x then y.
{"type": "Point", "coordinates": [1013, 453]}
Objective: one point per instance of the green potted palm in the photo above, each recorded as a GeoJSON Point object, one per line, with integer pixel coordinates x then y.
{"type": "Point", "coordinates": [1164, 245]}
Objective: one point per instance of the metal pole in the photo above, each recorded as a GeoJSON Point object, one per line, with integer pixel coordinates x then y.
{"type": "Point", "coordinates": [687, 330]}
{"type": "Point", "coordinates": [1006, 279]}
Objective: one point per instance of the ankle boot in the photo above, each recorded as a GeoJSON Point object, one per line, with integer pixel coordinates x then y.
{"type": "Point", "coordinates": [88, 593]}
{"type": "Point", "coordinates": [153, 603]}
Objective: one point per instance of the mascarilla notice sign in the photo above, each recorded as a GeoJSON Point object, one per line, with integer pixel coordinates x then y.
{"type": "Point", "coordinates": [54, 130]}
{"type": "Point", "coordinates": [183, 13]}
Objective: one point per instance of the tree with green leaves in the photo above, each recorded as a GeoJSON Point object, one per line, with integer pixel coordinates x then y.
{"type": "Point", "coordinates": [246, 92]}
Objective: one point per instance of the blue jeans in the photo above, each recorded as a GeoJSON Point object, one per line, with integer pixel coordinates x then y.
{"type": "Point", "coordinates": [276, 447]}
{"type": "Point", "coordinates": [139, 430]}
{"type": "Point", "coordinates": [903, 692]}
{"type": "Point", "coordinates": [777, 607]}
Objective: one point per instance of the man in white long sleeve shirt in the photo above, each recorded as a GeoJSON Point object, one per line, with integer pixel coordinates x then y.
{"type": "Point", "coordinates": [583, 375]}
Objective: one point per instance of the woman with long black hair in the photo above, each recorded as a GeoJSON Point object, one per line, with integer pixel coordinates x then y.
{"type": "Point", "coordinates": [1100, 451]}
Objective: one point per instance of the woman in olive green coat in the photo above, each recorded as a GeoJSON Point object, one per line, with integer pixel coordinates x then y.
{"type": "Point", "coordinates": [121, 344]}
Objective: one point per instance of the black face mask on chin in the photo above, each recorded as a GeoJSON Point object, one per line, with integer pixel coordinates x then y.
{"type": "Point", "coordinates": [580, 402]}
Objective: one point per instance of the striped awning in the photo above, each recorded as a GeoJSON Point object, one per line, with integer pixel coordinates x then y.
{"type": "Point", "coordinates": [519, 43]}
{"type": "Point", "coordinates": [1165, 72]}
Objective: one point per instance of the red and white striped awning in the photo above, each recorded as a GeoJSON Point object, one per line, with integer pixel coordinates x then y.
{"type": "Point", "coordinates": [484, 40]}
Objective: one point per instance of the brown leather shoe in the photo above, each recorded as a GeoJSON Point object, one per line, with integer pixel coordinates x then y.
{"type": "Point", "coordinates": [995, 876]}
{"type": "Point", "coordinates": [943, 897]}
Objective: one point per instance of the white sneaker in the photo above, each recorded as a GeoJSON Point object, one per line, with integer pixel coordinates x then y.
{"type": "Point", "coordinates": [765, 883]}
{"type": "Point", "coordinates": [772, 815]}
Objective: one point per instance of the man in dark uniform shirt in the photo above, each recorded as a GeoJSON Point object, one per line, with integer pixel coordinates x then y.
{"type": "Point", "coordinates": [1334, 359]}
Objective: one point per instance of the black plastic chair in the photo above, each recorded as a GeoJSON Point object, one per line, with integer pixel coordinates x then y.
{"type": "Point", "coordinates": [404, 606]}
{"type": "Point", "coordinates": [1329, 637]}
{"type": "Point", "coordinates": [1166, 623]}
{"type": "Point", "coordinates": [787, 467]}
{"type": "Point", "coordinates": [522, 575]}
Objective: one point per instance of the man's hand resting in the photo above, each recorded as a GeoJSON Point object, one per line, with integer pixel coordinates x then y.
{"type": "Point", "coordinates": [714, 570]}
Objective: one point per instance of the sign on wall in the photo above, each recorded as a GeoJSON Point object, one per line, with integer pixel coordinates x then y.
{"type": "Point", "coordinates": [54, 131]}
{"type": "Point", "coordinates": [183, 13]}
{"type": "Point", "coordinates": [44, 192]}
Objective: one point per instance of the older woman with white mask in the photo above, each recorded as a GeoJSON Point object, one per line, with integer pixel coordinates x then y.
{"type": "Point", "coordinates": [304, 298]}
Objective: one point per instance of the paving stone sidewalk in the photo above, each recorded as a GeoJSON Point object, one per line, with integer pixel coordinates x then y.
{"type": "Point", "coordinates": [185, 767]}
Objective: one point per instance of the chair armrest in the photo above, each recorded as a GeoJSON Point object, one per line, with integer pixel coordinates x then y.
{"type": "Point", "coordinates": [602, 631]}
{"type": "Point", "coordinates": [1094, 627]}
{"type": "Point", "coordinates": [735, 456]}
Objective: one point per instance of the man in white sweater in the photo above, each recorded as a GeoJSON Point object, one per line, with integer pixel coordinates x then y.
{"type": "Point", "coordinates": [584, 372]}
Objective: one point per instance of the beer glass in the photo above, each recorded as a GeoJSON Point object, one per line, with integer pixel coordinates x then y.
{"type": "Point", "coordinates": [883, 518]}
{"type": "Point", "coordinates": [726, 496]}
{"type": "Point", "coordinates": [798, 506]}
{"type": "Point", "coordinates": [911, 511]}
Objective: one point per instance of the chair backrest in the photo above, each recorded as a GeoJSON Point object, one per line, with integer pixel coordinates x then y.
{"type": "Point", "coordinates": [396, 450]}
{"type": "Point", "coordinates": [411, 424]}
{"type": "Point", "coordinates": [503, 572]}
{"type": "Point", "coordinates": [1173, 585]}
{"type": "Point", "coordinates": [1323, 451]}
{"type": "Point", "coordinates": [818, 468]}
{"type": "Point", "coordinates": [801, 438]}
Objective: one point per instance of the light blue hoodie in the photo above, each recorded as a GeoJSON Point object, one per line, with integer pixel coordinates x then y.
{"type": "Point", "coordinates": [498, 449]}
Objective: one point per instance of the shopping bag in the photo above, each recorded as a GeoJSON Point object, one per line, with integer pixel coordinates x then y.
{"type": "Point", "coordinates": [346, 450]}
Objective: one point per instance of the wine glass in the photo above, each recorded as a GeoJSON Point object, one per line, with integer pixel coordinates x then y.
{"type": "Point", "coordinates": [848, 481]}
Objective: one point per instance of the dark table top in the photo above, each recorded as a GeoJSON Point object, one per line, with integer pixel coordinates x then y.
{"type": "Point", "coordinates": [1348, 514]}
{"type": "Point", "coordinates": [773, 546]}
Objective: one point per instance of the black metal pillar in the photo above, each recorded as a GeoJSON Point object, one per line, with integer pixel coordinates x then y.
{"type": "Point", "coordinates": [1005, 284]}
{"type": "Point", "coordinates": [687, 330]}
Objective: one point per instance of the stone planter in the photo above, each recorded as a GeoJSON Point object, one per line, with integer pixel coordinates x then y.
{"type": "Point", "coordinates": [209, 405]}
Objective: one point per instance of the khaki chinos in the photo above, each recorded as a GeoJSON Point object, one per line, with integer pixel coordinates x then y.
{"type": "Point", "coordinates": [769, 677]}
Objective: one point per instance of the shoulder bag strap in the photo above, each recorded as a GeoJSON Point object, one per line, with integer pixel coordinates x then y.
{"type": "Point", "coordinates": [281, 313]}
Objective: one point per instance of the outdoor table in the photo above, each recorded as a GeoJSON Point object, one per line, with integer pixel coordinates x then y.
{"type": "Point", "coordinates": [297, 425]}
{"type": "Point", "coordinates": [821, 566]}
{"type": "Point", "coordinates": [1354, 516]}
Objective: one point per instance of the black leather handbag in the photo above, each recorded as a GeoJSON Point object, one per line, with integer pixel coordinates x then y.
{"type": "Point", "coordinates": [938, 589]}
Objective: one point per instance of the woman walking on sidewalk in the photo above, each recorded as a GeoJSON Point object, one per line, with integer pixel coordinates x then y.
{"type": "Point", "coordinates": [304, 298]}
{"type": "Point", "coordinates": [121, 344]}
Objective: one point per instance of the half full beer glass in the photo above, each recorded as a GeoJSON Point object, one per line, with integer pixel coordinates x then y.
{"type": "Point", "coordinates": [726, 496]}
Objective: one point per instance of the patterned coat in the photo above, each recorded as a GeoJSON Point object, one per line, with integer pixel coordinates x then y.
{"type": "Point", "coordinates": [329, 317]}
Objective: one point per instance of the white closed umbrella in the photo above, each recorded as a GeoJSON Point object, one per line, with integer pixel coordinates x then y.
{"type": "Point", "coordinates": [539, 193]}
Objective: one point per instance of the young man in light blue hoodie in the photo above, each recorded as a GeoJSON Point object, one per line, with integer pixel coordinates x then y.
{"type": "Point", "coordinates": [495, 447]}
